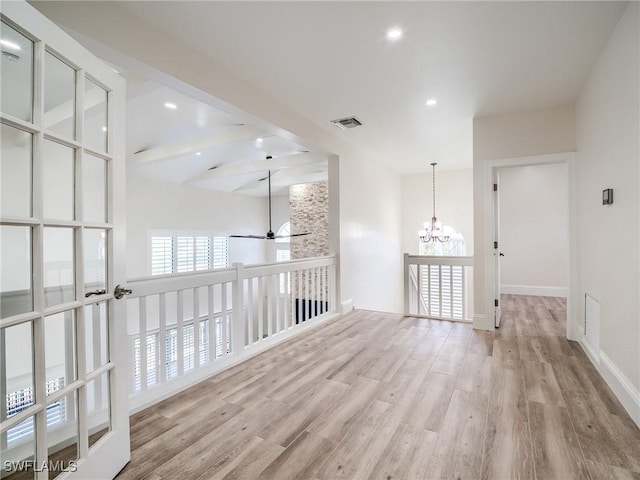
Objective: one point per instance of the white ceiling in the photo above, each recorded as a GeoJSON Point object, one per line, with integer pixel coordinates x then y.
{"type": "Point", "coordinates": [181, 145]}
{"type": "Point", "coordinates": [328, 60]}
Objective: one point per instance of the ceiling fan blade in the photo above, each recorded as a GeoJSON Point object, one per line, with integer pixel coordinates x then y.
{"type": "Point", "coordinates": [258, 237]}
{"type": "Point", "coordinates": [293, 235]}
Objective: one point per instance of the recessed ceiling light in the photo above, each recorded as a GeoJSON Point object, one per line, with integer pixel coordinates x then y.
{"type": "Point", "coordinates": [171, 106]}
{"type": "Point", "coordinates": [259, 139]}
{"type": "Point", "coordinates": [104, 129]}
{"type": "Point", "coordinates": [431, 102]}
{"type": "Point", "coordinates": [394, 34]}
{"type": "Point", "coordinates": [10, 44]}
{"type": "Point", "coordinates": [198, 153]}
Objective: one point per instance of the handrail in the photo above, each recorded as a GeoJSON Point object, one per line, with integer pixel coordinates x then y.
{"type": "Point", "coordinates": [466, 261]}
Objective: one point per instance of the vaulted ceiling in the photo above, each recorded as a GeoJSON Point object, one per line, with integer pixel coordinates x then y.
{"type": "Point", "coordinates": [328, 60]}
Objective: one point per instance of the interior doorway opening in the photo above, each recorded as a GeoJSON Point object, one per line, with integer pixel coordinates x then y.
{"type": "Point", "coordinates": [532, 234]}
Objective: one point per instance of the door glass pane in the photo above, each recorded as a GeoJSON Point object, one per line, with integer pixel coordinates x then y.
{"type": "Point", "coordinates": [59, 274]}
{"type": "Point", "coordinates": [15, 172]}
{"type": "Point", "coordinates": [98, 407]}
{"type": "Point", "coordinates": [62, 434]}
{"type": "Point", "coordinates": [60, 350]}
{"type": "Point", "coordinates": [95, 259]}
{"type": "Point", "coordinates": [94, 185]}
{"type": "Point", "coordinates": [17, 355]}
{"type": "Point", "coordinates": [97, 335]}
{"type": "Point", "coordinates": [95, 116]}
{"type": "Point", "coordinates": [16, 94]}
{"type": "Point", "coordinates": [16, 294]}
{"type": "Point", "coordinates": [57, 180]}
{"type": "Point", "coordinates": [17, 459]}
{"type": "Point", "coordinates": [59, 96]}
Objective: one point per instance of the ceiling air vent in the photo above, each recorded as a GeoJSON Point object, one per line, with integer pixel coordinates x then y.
{"type": "Point", "coordinates": [346, 123]}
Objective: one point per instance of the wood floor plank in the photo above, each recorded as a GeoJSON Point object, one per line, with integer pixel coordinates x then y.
{"type": "Point", "coordinates": [508, 451]}
{"type": "Point", "coordinates": [359, 452]}
{"type": "Point", "coordinates": [300, 460]}
{"type": "Point", "coordinates": [506, 353]}
{"type": "Point", "coordinates": [431, 403]}
{"type": "Point", "coordinates": [428, 349]}
{"type": "Point", "coordinates": [408, 451]}
{"type": "Point", "coordinates": [599, 471]}
{"type": "Point", "coordinates": [463, 429]}
{"type": "Point", "coordinates": [541, 384]}
{"type": "Point", "coordinates": [476, 374]}
{"type": "Point", "coordinates": [556, 451]}
{"type": "Point", "coordinates": [334, 424]}
{"type": "Point", "coordinates": [248, 463]}
{"type": "Point", "coordinates": [288, 424]}
{"type": "Point", "coordinates": [590, 421]}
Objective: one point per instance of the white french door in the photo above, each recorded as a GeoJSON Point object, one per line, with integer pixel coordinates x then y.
{"type": "Point", "coordinates": [63, 348]}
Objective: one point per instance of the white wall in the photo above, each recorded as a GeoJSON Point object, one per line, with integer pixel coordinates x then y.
{"type": "Point", "coordinates": [454, 205]}
{"type": "Point", "coordinates": [608, 133]}
{"type": "Point", "coordinates": [160, 206]}
{"type": "Point", "coordinates": [370, 234]}
{"type": "Point", "coordinates": [534, 229]}
{"type": "Point", "coordinates": [506, 136]}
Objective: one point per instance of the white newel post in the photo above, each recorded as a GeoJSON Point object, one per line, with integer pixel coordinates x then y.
{"type": "Point", "coordinates": [406, 284]}
{"type": "Point", "coordinates": [238, 315]}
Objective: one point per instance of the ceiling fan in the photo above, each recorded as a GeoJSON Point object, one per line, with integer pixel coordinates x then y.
{"type": "Point", "coordinates": [270, 235]}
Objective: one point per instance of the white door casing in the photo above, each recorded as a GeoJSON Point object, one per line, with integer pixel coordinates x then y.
{"type": "Point", "coordinates": [72, 354]}
{"type": "Point", "coordinates": [496, 246]}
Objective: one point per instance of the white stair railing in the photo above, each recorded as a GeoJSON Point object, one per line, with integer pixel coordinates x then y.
{"type": "Point", "coordinates": [185, 327]}
{"type": "Point", "coordinates": [438, 287]}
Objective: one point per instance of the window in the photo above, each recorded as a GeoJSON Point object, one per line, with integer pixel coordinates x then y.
{"type": "Point", "coordinates": [283, 252]}
{"type": "Point", "coordinates": [22, 399]}
{"type": "Point", "coordinates": [178, 252]}
{"type": "Point", "coordinates": [170, 363]}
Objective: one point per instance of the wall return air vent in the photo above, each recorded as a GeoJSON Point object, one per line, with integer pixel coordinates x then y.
{"type": "Point", "coordinates": [346, 123]}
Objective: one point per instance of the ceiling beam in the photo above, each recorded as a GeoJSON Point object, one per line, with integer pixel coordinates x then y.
{"type": "Point", "coordinates": [287, 161]}
{"type": "Point", "coordinates": [231, 134]}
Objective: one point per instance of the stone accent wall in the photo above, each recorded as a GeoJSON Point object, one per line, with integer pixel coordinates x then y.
{"type": "Point", "coordinates": [309, 212]}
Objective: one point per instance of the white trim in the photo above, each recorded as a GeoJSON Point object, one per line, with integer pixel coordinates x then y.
{"type": "Point", "coordinates": [573, 322]}
{"type": "Point", "coordinates": [622, 387]}
{"type": "Point", "coordinates": [481, 322]}
{"type": "Point", "coordinates": [347, 306]}
{"type": "Point", "coordinates": [534, 290]}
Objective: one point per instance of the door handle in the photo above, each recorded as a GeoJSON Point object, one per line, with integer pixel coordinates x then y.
{"type": "Point", "coordinates": [501, 254]}
{"type": "Point", "coordinates": [95, 292]}
{"type": "Point", "coordinates": [120, 292]}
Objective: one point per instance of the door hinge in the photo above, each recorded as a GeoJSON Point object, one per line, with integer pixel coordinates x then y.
{"type": "Point", "coordinates": [496, 302]}
{"type": "Point", "coordinates": [495, 187]}
{"type": "Point", "coordinates": [495, 245]}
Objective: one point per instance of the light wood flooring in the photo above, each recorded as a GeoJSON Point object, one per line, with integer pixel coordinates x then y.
{"type": "Point", "coordinates": [379, 396]}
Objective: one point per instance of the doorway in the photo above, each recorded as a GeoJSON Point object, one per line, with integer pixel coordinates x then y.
{"type": "Point", "coordinates": [574, 327]}
{"type": "Point", "coordinates": [532, 234]}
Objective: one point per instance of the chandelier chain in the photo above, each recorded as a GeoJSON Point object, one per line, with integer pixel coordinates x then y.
{"type": "Point", "coordinates": [433, 179]}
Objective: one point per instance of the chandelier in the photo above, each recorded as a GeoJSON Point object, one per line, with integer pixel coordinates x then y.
{"type": "Point", "coordinates": [433, 231]}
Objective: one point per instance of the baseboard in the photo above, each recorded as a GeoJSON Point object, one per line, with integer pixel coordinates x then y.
{"type": "Point", "coordinates": [481, 322]}
{"type": "Point", "coordinates": [622, 388]}
{"type": "Point", "coordinates": [347, 306]}
{"type": "Point", "coordinates": [534, 290]}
